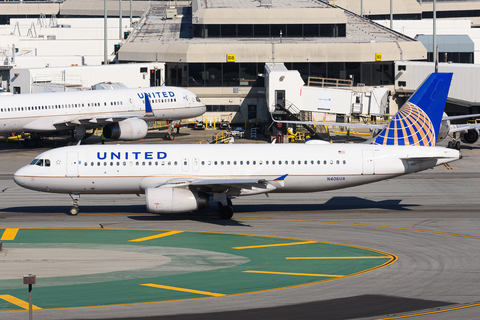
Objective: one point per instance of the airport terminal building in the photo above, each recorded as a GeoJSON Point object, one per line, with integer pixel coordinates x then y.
{"type": "Point", "coordinates": [218, 49]}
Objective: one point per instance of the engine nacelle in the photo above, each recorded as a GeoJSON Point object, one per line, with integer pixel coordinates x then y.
{"type": "Point", "coordinates": [174, 200]}
{"type": "Point", "coordinates": [471, 136]}
{"type": "Point", "coordinates": [129, 129]}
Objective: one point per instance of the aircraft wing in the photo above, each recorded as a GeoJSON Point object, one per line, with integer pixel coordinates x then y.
{"type": "Point", "coordinates": [218, 185]}
{"type": "Point", "coordinates": [463, 127]}
{"type": "Point", "coordinates": [465, 116]}
{"type": "Point", "coordinates": [45, 124]}
{"type": "Point", "coordinates": [102, 119]}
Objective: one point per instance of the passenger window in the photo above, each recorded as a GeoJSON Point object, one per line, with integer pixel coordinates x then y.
{"type": "Point", "coordinates": [111, 164]}
{"type": "Point", "coordinates": [221, 162]}
{"type": "Point", "coordinates": [324, 161]}
{"type": "Point", "coordinates": [344, 161]}
{"type": "Point", "coordinates": [86, 163]}
{"type": "Point", "coordinates": [124, 163]}
{"type": "Point", "coordinates": [254, 162]}
{"type": "Point", "coordinates": [203, 163]}
{"type": "Point", "coordinates": [175, 163]}
{"type": "Point", "coordinates": [241, 162]}
{"type": "Point", "coordinates": [169, 163]}
{"type": "Point", "coordinates": [137, 163]}
{"type": "Point", "coordinates": [280, 162]}
{"type": "Point", "coordinates": [215, 163]}
{"type": "Point", "coordinates": [338, 161]}
{"type": "Point", "coordinates": [143, 163]}
{"type": "Point", "coordinates": [98, 163]}
{"type": "Point", "coordinates": [331, 161]}
{"type": "Point", "coordinates": [118, 164]}
{"type": "Point", "coordinates": [228, 163]}
{"type": "Point", "coordinates": [248, 162]}
{"type": "Point", "coordinates": [273, 162]}
{"type": "Point", "coordinates": [92, 163]}
{"type": "Point", "coordinates": [105, 164]}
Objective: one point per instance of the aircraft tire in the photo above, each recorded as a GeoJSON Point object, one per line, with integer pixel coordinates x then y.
{"type": "Point", "coordinates": [225, 212]}
{"type": "Point", "coordinates": [74, 211]}
{"type": "Point", "coordinates": [450, 145]}
{"type": "Point", "coordinates": [457, 145]}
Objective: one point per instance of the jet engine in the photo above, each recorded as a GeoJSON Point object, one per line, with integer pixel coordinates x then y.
{"type": "Point", "coordinates": [471, 136]}
{"type": "Point", "coordinates": [174, 200]}
{"type": "Point", "coordinates": [129, 129]}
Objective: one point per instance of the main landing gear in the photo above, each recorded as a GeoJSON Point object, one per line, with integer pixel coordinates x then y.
{"type": "Point", "coordinates": [454, 144]}
{"type": "Point", "coordinates": [225, 212]}
{"type": "Point", "coordinates": [75, 198]}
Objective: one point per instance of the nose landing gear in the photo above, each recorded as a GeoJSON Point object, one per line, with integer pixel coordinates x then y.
{"type": "Point", "coordinates": [74, 209]}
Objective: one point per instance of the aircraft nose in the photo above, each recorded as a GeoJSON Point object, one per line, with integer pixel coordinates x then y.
{"type": "Point", "coordinates": [20, 177]}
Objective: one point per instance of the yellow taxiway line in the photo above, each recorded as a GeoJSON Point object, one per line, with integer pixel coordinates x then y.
{"type": "Point", "coordinates": [296, 274]}
{"type": "Point", "coordinates": [183, 290]}
{"type": "Point", "coordinates": [18, 302]}
{"type": "Point", "coordinates": [334, 258]}
{"type": "Point", "coordinates": [275, 245]}
{"type": "Point", "coordinates": [165, 234]}
{"type": "Point", "coordinates": [431, 312]}
{"type": "Point", "coordinates": [9, 234]}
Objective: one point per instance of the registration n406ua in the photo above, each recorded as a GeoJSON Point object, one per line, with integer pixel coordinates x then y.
{"type": "Point", "coordinates": [183, 178]}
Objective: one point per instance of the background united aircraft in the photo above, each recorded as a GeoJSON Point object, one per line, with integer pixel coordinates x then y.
{"type": "Point", "coordinates": [182, 178]}
{"type": "Point", "coordinates": [122, 113]}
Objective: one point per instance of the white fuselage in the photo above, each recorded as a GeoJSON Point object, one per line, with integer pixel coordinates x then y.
{"type": "Point", "coordinates": [46, 112]}
{"type": "Point", "coordinates": [310, 167]}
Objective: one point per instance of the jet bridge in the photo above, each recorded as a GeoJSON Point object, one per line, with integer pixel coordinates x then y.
{"type": "Point", "coordinates": [285, 89]}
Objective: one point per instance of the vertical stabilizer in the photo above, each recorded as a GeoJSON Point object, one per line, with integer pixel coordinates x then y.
{"type": "Point", "coordinates": [418, 121]}
{"type": "Point", "coordinates": [148, 106]}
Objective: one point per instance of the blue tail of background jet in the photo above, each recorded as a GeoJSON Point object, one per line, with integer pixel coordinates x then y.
{"type": "Point", "coordinates": [418, 121]}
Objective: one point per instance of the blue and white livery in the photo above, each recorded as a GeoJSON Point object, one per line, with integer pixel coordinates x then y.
{"type": "Point", "coordinates": [122, 113]}
{"type": "Point", "coordinates": [182, 178]}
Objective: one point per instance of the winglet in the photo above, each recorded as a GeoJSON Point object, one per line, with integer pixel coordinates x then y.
{"type": "Point", "coordinates": [281, 178]}
{"type": "Point", "coordinates": [418, 121]}
{"type": "Point", "coordinates": [148, 106]}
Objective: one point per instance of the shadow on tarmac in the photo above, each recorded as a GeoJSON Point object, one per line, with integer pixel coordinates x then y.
{"type": "Point", "coordinates": [335, 203]}
{"type": "Point", "coordinates": [336, 309]}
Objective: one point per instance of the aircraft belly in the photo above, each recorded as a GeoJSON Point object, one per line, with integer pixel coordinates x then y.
{"type": "Point", "coordinates": [325, 183]}
{"type": "Point", "coordinates": [178, 114]}
{"type": "Point", "coordinates": [85, 185]}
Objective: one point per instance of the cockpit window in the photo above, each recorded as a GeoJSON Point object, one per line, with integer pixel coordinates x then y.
{"type": "Point", "coordinates": [198, 99]}
{"type": "Point", "coordinates": [40, 162]}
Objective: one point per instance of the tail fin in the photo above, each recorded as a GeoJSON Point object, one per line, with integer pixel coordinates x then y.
{"type": "Point", "coordinates": [418, 121]}
{"type": "Point", "coordinates": [148, 107]}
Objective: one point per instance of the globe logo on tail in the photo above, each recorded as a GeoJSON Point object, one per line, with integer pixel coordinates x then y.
{"type": "Point", "coordinates": [410, 127]}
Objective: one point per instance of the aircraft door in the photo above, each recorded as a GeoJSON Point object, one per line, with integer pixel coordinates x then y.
{"type": "Point", "coordinates": [72, 164]}
{"type": "Point", "coordinates": [368, 165]}
{"type": "Point", "coordinates": [130, 105]}
{"type": "Point", "coordinates": [185, 164]}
